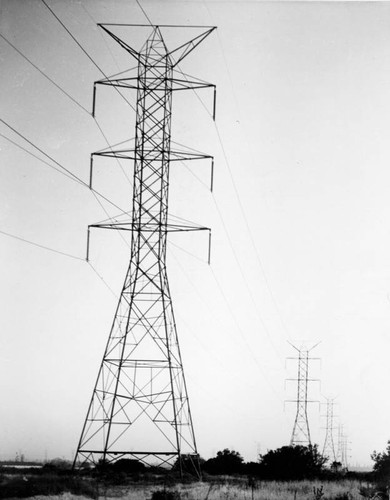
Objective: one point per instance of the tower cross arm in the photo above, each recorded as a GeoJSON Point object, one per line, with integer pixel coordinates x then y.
{"type": "Point", "coordinates": [189, 46]}
{"type": "Point", "coordinates": [123, 44]}
{"type": "Point", "coordinates": [298, 401]}
{"type": "Point", "coordinates": [177, 83]}
{"type": "Point", "coordinates": [150, 227]}
{"type": "Point", "coordinates": [307, 379]}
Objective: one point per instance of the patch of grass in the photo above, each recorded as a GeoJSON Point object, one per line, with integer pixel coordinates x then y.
{"type": "Point", "coordinates": [342, 496]}
{"type": "Point", "coordinates": [50, 484]}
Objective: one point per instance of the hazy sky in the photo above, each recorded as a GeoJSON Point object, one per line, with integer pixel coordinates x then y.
{"type": "Point", "coordinates": [300, 216]}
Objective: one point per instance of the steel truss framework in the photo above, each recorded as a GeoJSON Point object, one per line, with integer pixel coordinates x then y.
{"type": "Point", "coordinates": [329, 447]}
{"type": "Point", "coordinates": [342, 447]}
{"type": "Point", "coordinates": [301, 431]}
{"type": "Point", "coordinates": [139, 407]}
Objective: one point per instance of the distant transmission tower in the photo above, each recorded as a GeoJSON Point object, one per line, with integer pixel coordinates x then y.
{"type": "Point", "coordinates": [329, 448]}
{"type": "Point", "coordinates": [139, 407]}
{"type": "Point", "coordinates": [342, 447]}
{"type": "Point", "coordinates": [301, 431]}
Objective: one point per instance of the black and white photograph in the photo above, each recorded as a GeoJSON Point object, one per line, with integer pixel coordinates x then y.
{"type": "Point", "coordinates": [195, 249]}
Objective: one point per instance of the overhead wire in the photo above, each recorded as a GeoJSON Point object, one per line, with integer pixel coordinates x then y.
{"type": "Point", "coordinates": [257, 254]}
{"type": "Point", "coordinates": [229, 308]}
{"type": "Point", "coordinates": [144, 12]}
{"type": "Point", "coordinates": [71, 174]}
{"type": "Point", "coordinates": [36, 156]}
{"type": "Point", "coordinates": [258, 258]}
{"type": "Point", "coordinates": [120, 93]}
{"type": "Point", "coordinates": [65, 172]}
{"type": "Point", "coordinates": [71, 177]}
{"type": "Point", "coordinates": [265, 328]}
{"type": "Point", "coordinates": [253, 244]}
{"type": "Point", "coordinates": [103, 280]}
{"type": "Point", "coordinates": [84, 51]}
{"type": "Point", "coordinates": [207, 305]}
{"type": "Point", "coordinates": [187, 252]}
{"type": "Point", "coordinates": [60, 252]}
{"type": "Point", "coordinates": [221, 290]}
{"type": "Point", "coordinates": [44, 74]}
{"type": "Point", "coordinates": [62, 169]}
{"type": "Point", "coordinates": [61, 89]}
{"type": "Point", "coordinates": [73, 38]}
{"type": "Point", "coordinates": [101, 35]}
{"type": "Point", "coordinates": [30, 242]}
{"type": "Point", "coordinates": [110, 148]}
{"type": "Point", "coordinates": [218, 284]}
{"type": "Point", "coordinates": [229, 239]}
{"type": "Point", "coordinates": [39, 245]}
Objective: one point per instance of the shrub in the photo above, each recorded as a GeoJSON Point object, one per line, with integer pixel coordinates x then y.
{"type": "Point", "coordinates": [165, 495]}
{"type": "Point", "coordinates": [226, 462]}
{"type": "Point", "coordinates": [292, 462]}
{"type": "Point", "coordinates": [382, 465]}
{"type": "Point", "coordinates": [23, 486]}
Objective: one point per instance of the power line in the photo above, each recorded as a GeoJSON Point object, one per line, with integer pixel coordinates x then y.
{"type": "Point", "coordinates": [69, 96]}
{"type": "Point", "coordinates": [110, 148]}
{"type": "Point", "coordinates": [84, 51]}
{"type": "Point", "coordinates": [94, 193]}
{"type": "Point", "coordinates": [37, 157]}
{"type": "Point", "coordinates": [74, 39]}
{"type": "Point", "coordinates": [65, 254]}
{"type": "Point", "coordinates": [101, 35]}
{"type": "Point", "coordinates": [241, 332]}
{"type": "Point", "coordinates": [239, 266]}
{"type": "Point", "coordinates": [259, 260]}
{"type": "Point", "coordinates": [248, 230]}
{"type": "Point", "coordinates": [40, 246]}
{"type": "Point", "coordinates": [207, 305]}
{"type": "Point", "coordinates": [44, 74]}
{"type": "Point", "coordinates": [144, 12]}
{"type": "Point", "coordinates": [247, 226]}
{"type": "Point", "coordinates": [102, 279]}
{"type": "Point", "coordinates": [71, 174]}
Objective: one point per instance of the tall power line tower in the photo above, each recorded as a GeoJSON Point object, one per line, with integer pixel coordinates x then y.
{"type": "Point", "coordinates": [342, 447]}
{"type": "Point", "coordinates": [329, 447]}
{"type": "Point", "coordinates": [139, 407]}
{"type": "Point", "coordinates": [301, 431]}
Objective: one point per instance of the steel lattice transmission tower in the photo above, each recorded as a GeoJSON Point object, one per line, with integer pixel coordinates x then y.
{"type": "Point", "coordinates": [301, 431]}
{"type": "Point", "coordinates": [329, 447]}
{"type": "Point", "coordinates": [342, 447]}
{"type": "Point", "coordinates": [139, 407]}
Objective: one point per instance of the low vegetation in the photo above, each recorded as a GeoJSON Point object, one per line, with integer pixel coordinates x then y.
{"type": "Point", "coordinates": [19, 485]}
{"type": "Point", "coordinates": [287, 473]}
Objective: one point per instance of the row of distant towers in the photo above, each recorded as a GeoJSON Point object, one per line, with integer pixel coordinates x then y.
{"type": "Point", "coordinates": [139, 408]}
{"type": "Point", "coordinates": [301, 429]}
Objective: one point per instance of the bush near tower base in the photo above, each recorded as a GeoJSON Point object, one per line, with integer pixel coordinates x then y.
{"type": "Point", "coordinates": [382, 465]}
{"type": "Point", "coordinates": [292, 462]}
{"type": "Point", "coordinates": [226, 462]}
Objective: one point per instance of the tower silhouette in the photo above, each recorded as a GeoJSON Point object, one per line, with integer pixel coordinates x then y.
{"type": "Point", "coordinates": [329, 447]}
{"type": "Point", "coordinates": [301, 431]}
{"type": "Point", "coordinates": [139, 407]}
{"type": "Point", "coordinates": [342, 447]}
